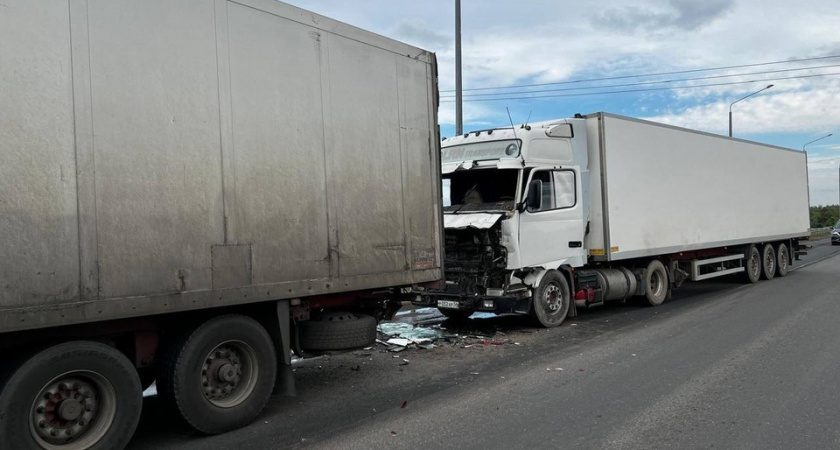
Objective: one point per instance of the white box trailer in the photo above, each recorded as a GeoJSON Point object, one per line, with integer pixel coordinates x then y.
{"type": "Point", "coordinates": [545, 218]}
{"type": "Point", "coordinates": [657, 189]}
{"type": "Point", "coordinates": [188, 189]}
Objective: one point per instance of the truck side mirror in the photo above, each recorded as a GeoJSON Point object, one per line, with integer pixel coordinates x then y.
{"type": "Point", "coordinates": [534, 199]}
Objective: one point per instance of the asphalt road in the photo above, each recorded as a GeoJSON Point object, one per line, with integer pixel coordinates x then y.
{"type": "Point", "coordinates": [720, 365]}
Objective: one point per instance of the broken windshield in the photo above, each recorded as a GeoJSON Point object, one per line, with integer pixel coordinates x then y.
{"type": "Point", "coordinates": [480, 190]}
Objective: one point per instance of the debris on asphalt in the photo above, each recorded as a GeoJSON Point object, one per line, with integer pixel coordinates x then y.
{"type": "Point", "coordinates": [397, 336]}
{"type": "Point", "coordinates": [399, 341]}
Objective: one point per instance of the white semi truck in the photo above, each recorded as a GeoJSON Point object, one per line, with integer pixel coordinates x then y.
{"type": "Point", "coordinates": [547, 218]}
{"type": "Point", "coordinates": [190, 189]}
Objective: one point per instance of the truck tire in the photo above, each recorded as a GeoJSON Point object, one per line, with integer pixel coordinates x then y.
{"type": "Point", "coordinates": [768, 262]}
{"type": "Point", "coordinates": [551, 300]}
{"type": "Point", "coordinates": [75, 395]}
{"type": "Point", "coordinates": [782, 259]}
{"type": "Point", "coordinates": [752, 265]}
{"type": "Point", "coordinates": [220, 375]}
{"type": "Point", "coordinates": [656, 283]}
{"type": "Point", "coordinates": [337, 331]}
{"type": "Point", "coordinates": [455, 315]}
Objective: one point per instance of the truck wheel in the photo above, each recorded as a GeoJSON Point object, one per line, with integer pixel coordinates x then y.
{"type": "Point", "coordinates": [752, 265]}
{"type": "Point", "coordinates": [768, 262]}
{"type": "Point", "coordinates": [73, 396]}
{"type": "Point", "coordinates": [455, 314]}
{"type": "Point", "coordinates": [550, 303]}
{"type": "Point", "coordinates": [782, 259]}
{"type": "Point", "coordinates": [337, 331]}
{"type": "Point", "coordinates": [220, 375]}
{"type": "Point", "coordinates": [656, 283]}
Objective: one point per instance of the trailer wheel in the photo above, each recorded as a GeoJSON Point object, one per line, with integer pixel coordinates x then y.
{"type": "Point", "coordinates": [72, 396]}
{"type": "Point", "coordinates": [768, 262]}
{"type": "Point", "coordinates": [752, 265]}
{"type": "Point", "coordinates": [550, 302]}
{"type": "Point", "coordinates": [455, 314]}
{"type": "Point", "coordinates": [337, 330]}
{"type": "Point", "coordinates": [782, 259]}
{"type": "Point", "coordinates": [220, 375]}
{"type": "Point", "coordinates": [656, 283]}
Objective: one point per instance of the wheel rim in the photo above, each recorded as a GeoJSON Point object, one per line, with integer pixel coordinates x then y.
{"type": "Point", "coordinates": [755, 264]}
{"type": "Point", "coordinates": [655, 284]}
{"type": "Point", "coordinates": [553, 299]}
{"type": "Point", "coordinates": [783, 259]}
{"type": "Point", "coordinates": [229, 374]}
{"type": "Point", "coordinates": [73, 411]}
{"type": "Point", "coordinates": [770, 261]}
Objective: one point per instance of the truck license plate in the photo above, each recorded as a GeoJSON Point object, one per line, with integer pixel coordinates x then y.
{"type": "Point", "coordinates": [447, 304]}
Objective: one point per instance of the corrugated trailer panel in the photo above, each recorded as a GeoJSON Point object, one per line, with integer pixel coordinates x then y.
{"type": "Point", "coordinates": [667, 189]}
{"type": "Point", "coordinates": [38, 225]}
{"type": "Point", "coordinates": [174, 156]}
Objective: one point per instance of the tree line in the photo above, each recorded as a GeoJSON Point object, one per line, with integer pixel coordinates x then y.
{"type": "Point", "coordinates": [824, 216]}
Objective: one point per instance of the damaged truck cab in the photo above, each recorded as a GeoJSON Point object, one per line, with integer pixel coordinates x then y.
{"type": "Point", "coordinates": [548, 218]}
{"type": "Point", "coordinates": [514, 221]}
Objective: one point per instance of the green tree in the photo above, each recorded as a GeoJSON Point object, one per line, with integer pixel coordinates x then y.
{"type": "Point", "coordinates": [824, 216]}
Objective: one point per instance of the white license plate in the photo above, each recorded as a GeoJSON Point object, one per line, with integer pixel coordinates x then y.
{"type": "Point", "coordinates": [448, 304]}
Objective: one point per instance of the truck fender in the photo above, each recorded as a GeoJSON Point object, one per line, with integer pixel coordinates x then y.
{"type": "Point", "coordinates": [534, 277]}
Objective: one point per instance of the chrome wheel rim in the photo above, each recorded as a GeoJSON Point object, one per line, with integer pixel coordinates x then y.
{"type": "Point", "coordinates": [553, 299]}
{"type": "Point", "coordinates": [73, 411]}
{"type": "Point", "coordinates": [229, 374]}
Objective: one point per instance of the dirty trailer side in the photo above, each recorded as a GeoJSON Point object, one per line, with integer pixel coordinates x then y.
{"type": "Point", "coordinates": [190, 189]}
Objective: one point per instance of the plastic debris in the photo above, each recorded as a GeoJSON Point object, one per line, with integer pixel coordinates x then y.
{"type": "Point", "coordinates": [404, 404]}
{"type": "Point", "coordinates": [399, 341]}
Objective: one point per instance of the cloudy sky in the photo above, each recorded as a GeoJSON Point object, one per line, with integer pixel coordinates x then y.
{"type": "Point", "coordinates": [550, 59]}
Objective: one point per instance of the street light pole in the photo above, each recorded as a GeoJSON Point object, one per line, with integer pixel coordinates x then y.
{"type": "Point", "coordinates": [459, 115]}
{"type": "Point", "coordinates": [815, 140]}
{"type": "Point", "coordinates": [743, 98]}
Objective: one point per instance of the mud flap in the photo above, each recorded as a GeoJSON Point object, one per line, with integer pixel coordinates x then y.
{"type": "Point", "coordinates": [281, 333]}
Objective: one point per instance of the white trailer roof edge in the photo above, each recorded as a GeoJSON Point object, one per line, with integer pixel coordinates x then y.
{"type": "Point", "coordinates": [675, 127]}
{"type": "Point", "coordinates": [339, 28]}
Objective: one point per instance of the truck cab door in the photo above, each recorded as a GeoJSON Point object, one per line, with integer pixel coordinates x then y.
{"type": "Point", "coordinates": [551, 226]}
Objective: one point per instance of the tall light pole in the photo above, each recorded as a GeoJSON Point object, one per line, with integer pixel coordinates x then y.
{"type": "Point", "coordinates": [815, 140]}
{"type": "Point", "coordinates": [819, 139]}
{"type": "Point", "coordinates": [459, 115]}
{"type": "Point", "coordinates": [742, 98]}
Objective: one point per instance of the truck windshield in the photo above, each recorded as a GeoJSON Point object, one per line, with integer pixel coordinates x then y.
{"type": "Point", "coordinates": [480, 190]}
{"type": "Point", "coordinates": [481, 151]}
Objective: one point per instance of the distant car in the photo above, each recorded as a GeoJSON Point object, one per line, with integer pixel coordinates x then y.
{"type": "Point", "coordinates": [835, 234]}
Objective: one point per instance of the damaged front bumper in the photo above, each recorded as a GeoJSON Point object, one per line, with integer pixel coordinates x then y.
{"type": "Point", "coordinates": [499, 304]}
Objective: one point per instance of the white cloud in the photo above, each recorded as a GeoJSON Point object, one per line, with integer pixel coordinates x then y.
{"type": "Point", "coordinates": [800, 111]}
